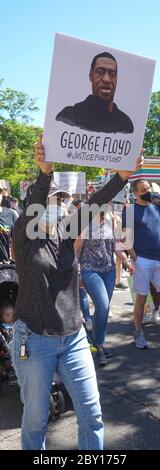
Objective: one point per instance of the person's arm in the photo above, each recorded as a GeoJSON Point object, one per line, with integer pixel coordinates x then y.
{"type": "Point", "coordinates": [12, 250]}
{"type": "Point", "coordinates": [99, 197]}
{"type": "Point", "coordinates": [109, 190]}
{"type": "Point", "coordinates": [131, 251]}
{"type": "Point", "coordinates": [132, 254]}
{"type": "Point", "coordinates": [40, 190]}
{"type": "Point", "coordinates": [14, 217]}
{"type": "Point", "coordinates": [38, 196]}
{"type": "Point", "coordinates": [79, 244]}
{"type": "Point", "coordinates": [122, 255]}
{"type": "Point", "coordinates": [103, 196]}
{"type": "Point", "coordinates": [35, 205]}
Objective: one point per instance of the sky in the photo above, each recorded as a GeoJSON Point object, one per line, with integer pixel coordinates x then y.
{"type": "Point", "coordinates": [28, 28]}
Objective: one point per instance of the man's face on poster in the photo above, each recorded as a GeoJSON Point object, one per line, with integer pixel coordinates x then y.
{"type": "Point", "coordinates": [104, 78]}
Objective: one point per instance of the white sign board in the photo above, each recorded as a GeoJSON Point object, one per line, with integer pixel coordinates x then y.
{"type": "Point", "coordinates": [97, 106]}
{"type": "Point", "coordinates": [72, 181]}
{"type": "Point", "coordinates": [5, 184]}
{"type": "Point", "coordinates": [23, 189]}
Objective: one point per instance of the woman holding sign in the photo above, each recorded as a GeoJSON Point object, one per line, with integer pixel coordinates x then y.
{"type": "Point", "coordinates": [48, 332]}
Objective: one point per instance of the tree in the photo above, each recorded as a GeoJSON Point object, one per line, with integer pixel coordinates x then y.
{"type": "Point", "coordinates": [91, 172]}
{"type": "Point", "coordinates": [17, 153]}
{"type": "Point", "coordinates": [152, 133]}
{"type": "Point", "coordinates": [2, 154]}
{"type": "Point", "coordinates": [17, 139]}
{"type": "Point", "coordinates": [16, 135]}
{"type": "Point", "coordinates": [16, 105]}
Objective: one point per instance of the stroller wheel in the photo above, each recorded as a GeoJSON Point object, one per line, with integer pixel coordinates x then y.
{"type": "Point", "coordinates": [57, 404]}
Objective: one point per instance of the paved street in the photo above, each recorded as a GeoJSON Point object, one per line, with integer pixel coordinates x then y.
{"type": "Point", "coordinates": [129, 388]}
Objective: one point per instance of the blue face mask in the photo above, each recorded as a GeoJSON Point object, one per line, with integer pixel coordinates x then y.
{"type": "Point", "coordinates": [6, 325]}
{"type": "Point", "coordinates": [60, 213]}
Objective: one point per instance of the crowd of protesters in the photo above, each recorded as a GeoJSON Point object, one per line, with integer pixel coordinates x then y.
{"type": "Point", "coordinates": [52, 291]}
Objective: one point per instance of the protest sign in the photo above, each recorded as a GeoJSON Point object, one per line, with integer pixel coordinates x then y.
{"type": "Point", "coordinates": [23, 189]}
{"type": "Point", "coordinates": [71, 181]}
{"type": "Point", "coordinates": [97, 104]}
{"type": "Point", "coordinates": [5, 184]}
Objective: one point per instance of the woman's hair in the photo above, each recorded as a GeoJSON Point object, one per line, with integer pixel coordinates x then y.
{"type": "Point", "coordinates": [6, 202]}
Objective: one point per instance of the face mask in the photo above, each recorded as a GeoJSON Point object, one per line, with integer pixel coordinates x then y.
{"type": "Point", "coordinates": [48, 221]}
{"type": "Point", "coordinates": [6, 325]}
{"type": "Point", "coordinates": [146, 196]}
{"type": "Point", "coordinates": [153, 198]}
{"type": "Point", "coordinates": [68, 201]}
{"type": "Point", "coordinates": [60, 213]}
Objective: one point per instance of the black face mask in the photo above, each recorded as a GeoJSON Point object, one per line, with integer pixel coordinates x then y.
{"type": "Point", "coordinates": [150, 197]}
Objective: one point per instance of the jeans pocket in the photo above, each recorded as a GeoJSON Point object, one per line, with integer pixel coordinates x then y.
{"type": "Point", "coordinates": [21, 333]}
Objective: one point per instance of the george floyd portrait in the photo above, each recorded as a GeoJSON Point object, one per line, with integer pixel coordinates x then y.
{"type": "Point", "coordinates": [98, 112]}
{"type": "Point", "coordinates": [97, 105]}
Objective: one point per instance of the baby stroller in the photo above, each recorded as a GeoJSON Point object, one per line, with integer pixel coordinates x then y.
{"type": "Point", "coordinates": [8, 292]}
{"type": "Point", "coordinates": [8, 282]}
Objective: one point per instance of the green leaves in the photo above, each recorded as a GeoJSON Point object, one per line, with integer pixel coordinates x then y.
{"type": "Point", "coordinates": [91, 172]}
{"type": "Point", "coordinates": [16, 105]}
{"type": "Point", "coordinates": [17, 153]}
{"type": "Point", "coordinates": [17, 138]}
{"type": "Point", "coordinates": [152, 134]}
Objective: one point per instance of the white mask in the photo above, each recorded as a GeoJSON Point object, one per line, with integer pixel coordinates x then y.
{"type": "Point", "coordinates": [48, 221]}
{"type": "Point", "coordinates": [60, 213]}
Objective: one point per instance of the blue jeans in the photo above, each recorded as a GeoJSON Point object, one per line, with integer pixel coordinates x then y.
{"type": "Point", "coordinates": [72, 359]}
{"type": "Point", "coordinates": [84, 304]}
{"type": "Point", "coordinates": [100, 288]}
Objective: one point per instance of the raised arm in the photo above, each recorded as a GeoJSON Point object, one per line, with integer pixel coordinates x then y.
{"type": "Point", "coordinates": [103, 196]}
{"type": "Point", "coordinates": [38, 196]}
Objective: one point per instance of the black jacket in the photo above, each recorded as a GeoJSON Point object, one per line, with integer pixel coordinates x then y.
{"type": "Point", "coordinates": [92, 115]}
{"type": "Point", "coordinates": [48, 295]}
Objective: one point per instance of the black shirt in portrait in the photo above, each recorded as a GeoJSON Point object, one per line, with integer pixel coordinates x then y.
{"type": "Point", "coordinates": [92, 115]}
